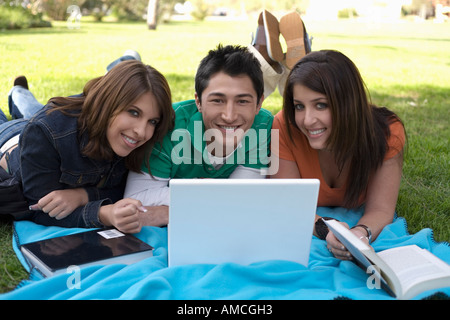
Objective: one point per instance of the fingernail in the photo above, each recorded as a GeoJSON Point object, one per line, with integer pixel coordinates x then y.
{"type": "Point", "coordinates": [142, 209]}
{"type": "Point", "coordinates": [34, 207]}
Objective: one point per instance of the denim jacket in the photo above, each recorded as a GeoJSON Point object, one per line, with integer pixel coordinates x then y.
{"type": "Point", "coordinates": [49, 158]}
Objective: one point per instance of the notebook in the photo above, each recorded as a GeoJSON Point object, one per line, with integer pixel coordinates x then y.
{"type": "Point", "coordinates": [241, 221]}
{"type": "Point", "coordinates": [96, 247]}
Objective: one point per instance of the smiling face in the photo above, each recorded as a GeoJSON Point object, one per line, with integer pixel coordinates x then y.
{"type": "Point", "coordinates": [133, 126]}
{"type": "Point", "coordinates": [312, 116]}
{"type": "Point", "coordinates": [228, 106]}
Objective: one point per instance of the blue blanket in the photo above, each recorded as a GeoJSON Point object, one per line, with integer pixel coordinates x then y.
{"type": "Point", "coordinates": [325, 277]}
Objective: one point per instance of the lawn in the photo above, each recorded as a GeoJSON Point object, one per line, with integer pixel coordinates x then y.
{"type": "Point", "coordinates": [406, 67]}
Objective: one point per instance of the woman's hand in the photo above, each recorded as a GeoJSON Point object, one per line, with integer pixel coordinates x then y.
{"type": "Point", "coordinates": [123, 215]}
{"type": "Point", "coordinates": [338, 249]}
{"type": "Point", "coordinates": [60, 203]}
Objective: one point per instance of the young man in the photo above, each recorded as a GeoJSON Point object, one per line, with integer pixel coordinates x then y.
{"type": "Point", "coordinates": [223, 133]}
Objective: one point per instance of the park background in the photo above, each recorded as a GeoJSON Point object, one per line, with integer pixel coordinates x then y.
{"type": "Point", "coordinates": [400, 46]}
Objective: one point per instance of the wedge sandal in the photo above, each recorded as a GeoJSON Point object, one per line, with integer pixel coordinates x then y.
{"type": "Point", "coordinates": [292, 28]}
{"type": "Point", "coordinates": [272, 31]}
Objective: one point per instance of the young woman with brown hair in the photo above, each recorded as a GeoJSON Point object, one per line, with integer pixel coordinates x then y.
{"type": "Point", "coordinates": [74, 155]}
{"type": "Point", "coordinates": [330, 131]}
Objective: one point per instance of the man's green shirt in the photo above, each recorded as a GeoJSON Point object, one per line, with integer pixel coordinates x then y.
{"type": "Point", "coordinates": [183, 153]}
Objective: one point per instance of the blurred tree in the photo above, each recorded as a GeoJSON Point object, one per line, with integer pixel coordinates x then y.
{"type": "Point", "coordinates": [421, 8]}
{"type": "Point", "coordinates": [201, 9]}
{"type": "Point", "coordinates": [129, 10]}
{"type": "Point", "coordinates": [56, 9]}
{"type": "Point", "coordinates": [152, 14]}
{"type": "Point", "coordinates": [160, 11]}
{"type": "Point", "coordinates": [156, 11]}
{"type": "Point", "coordinates": [258, 5]}
{"type": "Point", "coordinates": [97, 8]}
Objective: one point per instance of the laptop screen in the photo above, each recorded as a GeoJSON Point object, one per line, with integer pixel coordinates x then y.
{"type": "Point", "coordinates": [241, 220]}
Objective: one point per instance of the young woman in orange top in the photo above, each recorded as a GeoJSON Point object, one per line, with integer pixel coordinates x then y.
{"type": "Point", "coordinates": [330, 131]}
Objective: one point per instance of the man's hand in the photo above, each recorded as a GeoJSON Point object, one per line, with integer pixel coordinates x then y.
{"type": "Point", "coordinates": [157, 216]}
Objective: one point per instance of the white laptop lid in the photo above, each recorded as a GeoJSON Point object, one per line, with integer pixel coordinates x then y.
{"type": "Point", "coordinates": [241, 220]}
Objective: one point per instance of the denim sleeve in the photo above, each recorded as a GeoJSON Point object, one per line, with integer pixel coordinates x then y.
{"type": "Point", "coordinates": [40, 173]}
{"type": "Point", "coordinates": [82, 217]}
{"type": "Point", "coordinates": [114, 193]}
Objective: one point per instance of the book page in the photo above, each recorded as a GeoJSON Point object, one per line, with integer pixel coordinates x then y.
{"type": "Point", "coordinates": [413, 265]}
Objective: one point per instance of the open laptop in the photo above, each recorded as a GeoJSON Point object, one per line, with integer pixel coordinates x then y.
{"type": "Point", "coordinates": [241, 220]}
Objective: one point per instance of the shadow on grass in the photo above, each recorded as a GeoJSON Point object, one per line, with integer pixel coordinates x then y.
{"type": "Point", "coordinates": [433, 97]}
{"type": "Point", "coordinates": [63, 27]}
{"type": "Point", "coordinates": [40, 31]}
{"type": "Point", "coordinates": [424, 110]}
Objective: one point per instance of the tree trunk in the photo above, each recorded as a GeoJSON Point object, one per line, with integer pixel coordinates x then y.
{"type": "Point", "coordinates": [152, 16]}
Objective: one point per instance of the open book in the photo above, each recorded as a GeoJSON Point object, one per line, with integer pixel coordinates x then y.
{"type": "Point", "coordinates": [403, 272]}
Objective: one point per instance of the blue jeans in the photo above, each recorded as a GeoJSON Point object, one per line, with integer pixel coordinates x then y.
{"type": "Point", "coordinates": [10, 129]}
{"type": "Point", "coordinates": [22, 103]}
{"type": "Point", "coordinates": [3, 117]}
{"type": "Point", "coordinates": [117, 61]}
{"type": "Point", "coordinates": [22, 106]}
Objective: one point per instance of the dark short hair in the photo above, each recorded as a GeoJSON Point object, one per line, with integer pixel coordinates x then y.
{"type": "Point", "coordinates": [234, 60]}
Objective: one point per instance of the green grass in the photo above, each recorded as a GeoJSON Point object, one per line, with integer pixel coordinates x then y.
{"type": "Point", "coordinates": [405, 66]}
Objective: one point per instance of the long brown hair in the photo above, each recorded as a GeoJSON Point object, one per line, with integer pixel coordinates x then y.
{"type": "Point", "coordinates": [105, 97]}
{"type": "Point", "coordinates": [360, 130]}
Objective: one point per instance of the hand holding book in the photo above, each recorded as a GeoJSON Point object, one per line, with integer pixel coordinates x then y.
{"type": "Point", "coordinates": [403, 272]}
{"type": "Point", "coordinates": [338, 249]}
